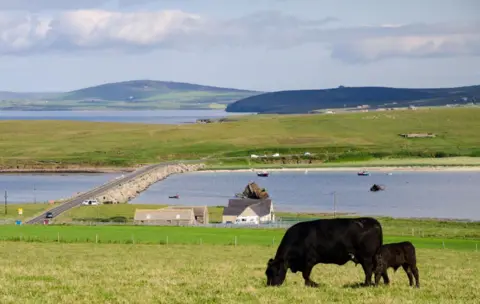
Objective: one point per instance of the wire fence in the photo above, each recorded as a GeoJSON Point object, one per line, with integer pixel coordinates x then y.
{"type": "Point", "coordinates": [272, 225]}
{"type": "Point", "coordinates": [232, 239]}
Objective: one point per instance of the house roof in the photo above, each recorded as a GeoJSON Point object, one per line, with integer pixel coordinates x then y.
{"type": "Point", "coordinates": [163, 214]}
{"type": "Point", "coordinates": [262, 208]}
{"type": "Point", "coordinates": [237, 206]}
{"type": "Point", "coordinates": [197, 210]}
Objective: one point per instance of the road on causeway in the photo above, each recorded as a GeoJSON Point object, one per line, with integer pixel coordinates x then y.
{"type": "Point", "coordinates": [77, 200]}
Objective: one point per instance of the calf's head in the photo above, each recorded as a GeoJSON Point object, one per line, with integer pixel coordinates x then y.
{"type": "Point", "coordinates": [276, 272]}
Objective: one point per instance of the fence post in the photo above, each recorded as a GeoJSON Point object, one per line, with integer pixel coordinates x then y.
{"type": "Point", "coordinates": [413, 231]}
{"type": "Point", "coordinates": [133, 239]}
{"type": "Point", "coordinates": [273, 241]}
{"type": "Point", "coordinates": [443, 244]}
{"type": "Point", "coordinates": [167, 239]}
{"type": "Point", "coordinates": [96, 238]}
{"type": "Point", "coordinates": [58, 237]}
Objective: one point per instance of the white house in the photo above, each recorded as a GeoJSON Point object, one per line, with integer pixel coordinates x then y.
{"type": "Point", "coordinates": [248, 211]}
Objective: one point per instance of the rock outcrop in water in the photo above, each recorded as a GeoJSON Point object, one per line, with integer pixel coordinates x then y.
{"type": "Point", "coordinates": [253, 191]}
{"type": "Point", "coordinates": [129, 190]}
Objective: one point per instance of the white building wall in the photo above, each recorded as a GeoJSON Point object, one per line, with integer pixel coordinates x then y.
{"type": "Point", "coordinates": [249, 219]}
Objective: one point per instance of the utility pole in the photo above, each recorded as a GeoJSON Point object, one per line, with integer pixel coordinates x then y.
{"type": "Point", "coordinates": [6, 201]}
{"type": "Point", "coordinates": [334, 204]}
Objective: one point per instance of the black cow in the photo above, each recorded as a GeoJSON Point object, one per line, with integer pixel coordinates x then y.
{"type": "Point", "coordinates": [326, 241]}
{"type": "Point", "coordinates": [395, 255]}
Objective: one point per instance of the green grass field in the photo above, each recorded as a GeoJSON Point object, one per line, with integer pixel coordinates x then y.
{"type": "Point", "coordinates": [463, 239]}
{"type": "Point", "coordinates": [29, 210]}
{"type": "Point", "coordinates": [340, 137]}
{"type": "Point", "coordinates": [395, 227]}
{"type": "Point", "coordinates": [118, 273]}
{"type": "Point", "coordinates": [150, 264]}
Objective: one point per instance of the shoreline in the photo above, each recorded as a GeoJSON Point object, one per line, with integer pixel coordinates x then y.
{"type": "Point", "coordinates": [346, 168]}
{"type": "Point", "coordinates": [85, 170]}
{"type": "Point", "coordinates": [383, 169]}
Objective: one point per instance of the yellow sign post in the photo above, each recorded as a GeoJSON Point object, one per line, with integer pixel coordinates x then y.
{"type": "Point", "coordinates": [20, 211]}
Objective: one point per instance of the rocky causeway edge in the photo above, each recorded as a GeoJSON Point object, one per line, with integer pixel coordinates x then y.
{"type": "Point", "coordinates": [124, 192]}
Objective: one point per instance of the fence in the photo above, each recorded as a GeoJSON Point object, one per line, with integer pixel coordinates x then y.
{"type": "Point", "coordinates": [235, 238]}
{"type": "Point", "coordinates": [273, 225]}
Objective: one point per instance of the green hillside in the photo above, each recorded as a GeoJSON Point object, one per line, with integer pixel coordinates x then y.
{"type": "Point", "coordinates": [304, 101]}
{"type": "Point", "coordinates": [128, 95]}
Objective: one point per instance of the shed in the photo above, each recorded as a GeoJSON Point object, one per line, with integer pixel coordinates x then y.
{"type": "Point", "coordinates": [164, 216]}
{"type": "Point", "coordinates": [200, 212]}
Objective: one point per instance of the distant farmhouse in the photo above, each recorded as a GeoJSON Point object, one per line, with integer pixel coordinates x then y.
{"type": "Point", "coordinates": [418, 135]}
{"type": "Point", "coordinates": [172, 215]}
{"type": "Point", "coordinates": [248, 211]}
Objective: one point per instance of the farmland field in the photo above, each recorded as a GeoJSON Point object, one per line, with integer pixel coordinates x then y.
{"type": "Point", "coordinates": [148, 264]}
{"type": "Point", "coordinates": [134, 273]}
{"type": "Point", "coordinates": [122, 215]}
{"type": "Point", "coordinates": [339, 137]}
{"type": "Point", "coordinates": [462, 239]}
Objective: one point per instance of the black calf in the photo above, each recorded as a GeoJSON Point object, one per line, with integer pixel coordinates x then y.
{"type": "Point", "coordinates": [393, 256]}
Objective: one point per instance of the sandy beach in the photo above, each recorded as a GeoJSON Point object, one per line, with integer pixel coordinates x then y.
{"type": "Point", "coordinates": [385, 169]}
{"type": "Point", "coordinates": [67, 170]}
{"type": "Point", "coordinates": [372, 168]}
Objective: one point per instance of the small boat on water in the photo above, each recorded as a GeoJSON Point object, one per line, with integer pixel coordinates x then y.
{"type": "Point", "coordinates": [263, 174]}
{"type": "Point", "coordinates": [363, 173]}
{"type": "Point", "coordinates": [174, 196]}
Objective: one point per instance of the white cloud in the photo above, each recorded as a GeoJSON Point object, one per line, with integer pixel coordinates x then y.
{"type": "Point", "coordinates": [80, 30]}
{"type": "Point", "coordinates": [38, 5]}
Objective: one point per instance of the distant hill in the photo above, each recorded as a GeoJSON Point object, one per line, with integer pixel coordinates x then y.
{"type": "Point", "coordinates": [304, 101]}
{"type": "Point", "coordinates": [133, 95]}
{"type": "Point", "coordinates": [4, 95]}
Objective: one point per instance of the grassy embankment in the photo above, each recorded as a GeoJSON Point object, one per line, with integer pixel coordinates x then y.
{"type": "Point", "coordinates": [123, 213]}
{"type": "Point", "coordinates": [429, 233]}
{"type": "Point", "coordinates": [344, 138]}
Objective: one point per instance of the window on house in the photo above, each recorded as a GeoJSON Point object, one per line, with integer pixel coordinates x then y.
{"type": "Point", "coordinates": [244, 220]}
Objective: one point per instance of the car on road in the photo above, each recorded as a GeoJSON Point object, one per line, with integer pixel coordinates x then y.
{"type": "Point", "coordinates": [49, 215]}
{"type": "Point", "coordinates": [92, 202]}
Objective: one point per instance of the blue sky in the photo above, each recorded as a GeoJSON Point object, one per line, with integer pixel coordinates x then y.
{"type": "Point", "coordinates": [268, 45]}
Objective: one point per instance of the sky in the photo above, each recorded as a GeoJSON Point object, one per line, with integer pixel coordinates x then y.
{"type": "Point", "coordinates": [264, 45]}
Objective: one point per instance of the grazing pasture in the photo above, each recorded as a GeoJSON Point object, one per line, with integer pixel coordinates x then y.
{"type": "Point", "coordinates": [128, 273]}
{"type": "Point", "coordinates": [339, 137]}
{"type": "Point", "coordinates": [190, 236]}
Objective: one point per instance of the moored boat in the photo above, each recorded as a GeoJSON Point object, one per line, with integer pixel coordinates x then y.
{"type": "Point", "coordinates": [263, 174]}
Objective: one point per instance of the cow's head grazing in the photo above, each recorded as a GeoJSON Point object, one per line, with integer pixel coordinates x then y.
{"type": "Point", "coordinates": [276, 272]}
